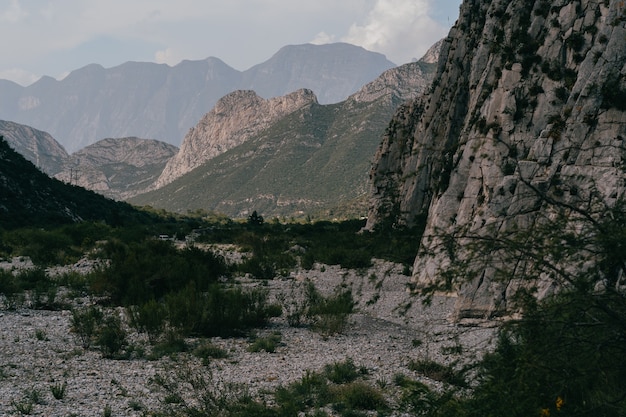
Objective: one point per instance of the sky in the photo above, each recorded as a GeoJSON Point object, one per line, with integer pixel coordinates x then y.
{"type": "Point", "coordinates": [55, 37]}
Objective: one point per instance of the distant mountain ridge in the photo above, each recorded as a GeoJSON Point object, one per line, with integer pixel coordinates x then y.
{"type": "Point", "coordinates": [310, 158]}
{"type": "Point", "coordinates": [157, 101]}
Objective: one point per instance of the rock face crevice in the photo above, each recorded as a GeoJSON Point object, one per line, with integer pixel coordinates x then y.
{"type": "Point", "coordinates": [528, 95]}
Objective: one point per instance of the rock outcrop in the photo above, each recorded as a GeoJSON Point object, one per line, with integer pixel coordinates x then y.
{"type": "Point", "coordinates": [117, 168]}
{"type": "Point", "coordinates": [527, 93]}
{"type": "Point", "coordinates": [235, 118]}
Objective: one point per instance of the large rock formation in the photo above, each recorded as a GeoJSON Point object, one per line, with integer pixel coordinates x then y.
{"type": "Point", "coordinates": [529, 95]}
{"type": "Point", "coordinates": [235, 118]}
{"type": "Point", "coordinates": [117, 168]}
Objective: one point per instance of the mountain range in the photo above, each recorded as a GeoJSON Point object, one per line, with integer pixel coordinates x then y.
{"type": "Point", "coordinates": [157, 101]}
{"type": "Point", "coordinates": [240, 125]}
{"type": "Point", "coordinates": [286, 156]}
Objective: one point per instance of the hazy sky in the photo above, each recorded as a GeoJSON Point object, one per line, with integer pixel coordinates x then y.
{"type": "Point", "coordinates": [54, 37]}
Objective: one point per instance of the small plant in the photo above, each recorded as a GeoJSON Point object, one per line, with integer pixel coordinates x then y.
{"type": "Point", "coordinates": [135, 405]}
{"type": "Point", "coordinates": [41, 335]}
{"type": "Point", "coordinates": [437, 372]}
{"type": "Point", "coordinates": [111, 337]}
{"type": "Point", "coordinates": [85, 323]}
{"type": "Point", "coordinates": [209, 351]}
{"type": "Point", "coordinates": [267, 343]}
{"type": "Point", "coordinates": [107, 412]}
{"type": "Point", "coordinates": [58, 390]}
{"type": "Point", "coordinates": [341, 372]}
{"type": "Point", "coordinates": [23, 407]}
{"type": "Point", "coordinates": [359, 396]}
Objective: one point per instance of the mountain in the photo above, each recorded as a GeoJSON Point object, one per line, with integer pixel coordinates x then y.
{"type": "Point", "coordinates": [529, 99]}
{"type": "Point", "coordinates": [36, 146]}
{"type": "Point", "coordinates": [30, 198]}
{"type": "Point", "coordinates": [235, 118]}
{"type": "Point", "coordinates": [157, 101]}
{"type": "Point", "coordinates": [117, 168]}
{"type": "Point", "coordinates": [298, 158]}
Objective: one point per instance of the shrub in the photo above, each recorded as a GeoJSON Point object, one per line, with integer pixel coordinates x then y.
{"type": "Point", "coordinates": [359, 396]}
{"type": "Point", "coordinates": [58, 390]}
{"type": "Point", "coordinates": [111, 337]}
{"type": "Point", "coordinates": [341, 372]}
{"type": "Point", "coordinates": [219, 311]}
{"type": "Point", "coordinates": [267, 344]}
{"type": "Point", "coordinates": [149, 318]}
{"type": "Point", "coordinates": [437, 371]}
{"type": "Point", "coordinates": [85, 323]}
{"type": "Point", "coordinates": [209, 351]}
{"type": "Point", "coordinates": [330, 314]}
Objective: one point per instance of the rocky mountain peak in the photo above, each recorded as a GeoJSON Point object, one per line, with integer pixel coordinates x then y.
{"type": "Point", "coordinates": [235, 118]}
{"type": "Point", "coordinates": [526, 94]}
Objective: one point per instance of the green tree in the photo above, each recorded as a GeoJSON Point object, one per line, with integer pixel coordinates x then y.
{"type": "Point", "coordinates": [565, 356]}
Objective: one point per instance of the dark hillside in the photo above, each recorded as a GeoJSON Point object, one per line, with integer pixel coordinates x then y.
{"type": "Point", "coordinates": [28, 197]}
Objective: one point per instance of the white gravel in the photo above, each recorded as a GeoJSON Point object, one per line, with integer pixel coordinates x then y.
{"type": "Point", "coordinates": [37, 349]}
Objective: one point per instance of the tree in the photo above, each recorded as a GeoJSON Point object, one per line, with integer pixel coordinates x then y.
{"type": "Point", "coordinates": [255, 219]}
{"type": "Point", "coordinates": [565, 356]}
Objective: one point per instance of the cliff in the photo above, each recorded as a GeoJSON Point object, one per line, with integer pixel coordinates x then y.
{"type": "Point", "coordinates": [235, 118]}
{"type": "Point", "coordinates": [529, 95]}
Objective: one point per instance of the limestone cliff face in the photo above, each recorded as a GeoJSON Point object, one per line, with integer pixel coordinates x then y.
{"type": "Point", "coordinates": [235, 118]}
{"type": "Point", "coordinates": [526, 92]}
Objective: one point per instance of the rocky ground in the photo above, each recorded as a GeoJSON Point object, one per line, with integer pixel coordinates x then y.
{"type": "Point", "coordinates": [391, 328]}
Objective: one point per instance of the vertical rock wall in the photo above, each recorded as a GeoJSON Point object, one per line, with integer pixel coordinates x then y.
{"type": "Point", "coordinates": [528, 94]}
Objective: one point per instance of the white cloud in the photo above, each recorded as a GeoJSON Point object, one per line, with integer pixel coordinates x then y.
{"type": "Point", "coordinates": [166, 56]}
{"type": "Point", "coordinates": [400, 29]}
{"type": "Point", "coordinates": [323, 38]}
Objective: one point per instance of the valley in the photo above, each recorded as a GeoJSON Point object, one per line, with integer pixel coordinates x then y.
{"type": "Point", "coordinates": [445, 239]}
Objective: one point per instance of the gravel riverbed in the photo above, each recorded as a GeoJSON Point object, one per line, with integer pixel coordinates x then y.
{"type": "Point", "coordinates": [390, 328]}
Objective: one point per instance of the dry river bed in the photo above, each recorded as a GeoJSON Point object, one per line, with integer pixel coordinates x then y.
{"type": "Point", "coordinates": [390, 328]}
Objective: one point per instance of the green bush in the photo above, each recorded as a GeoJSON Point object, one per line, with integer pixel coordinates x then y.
{"type": "Point", "coordinates": [341, 372]}
{"type": "Point", "coordinates": [111, 337]}
{"type": "Point", "coordinates": [219, 311]}
{"type": "Point", "coordinates": [208, 351]}
{"type": "Point", "coordinates": [437, 371]}
{"type": "Point", "coordinates": [149, 318]}
{"type": "Point", "coordinates": [359, 396]}
{"type": "Point", "coordinates": [85, 324]}
{"type": "Point", "coordinates": [266, 344]}
{"type": "Point", "coordinates": [330, 314]}
{"type": "Point", "coordinates": [576, 369]}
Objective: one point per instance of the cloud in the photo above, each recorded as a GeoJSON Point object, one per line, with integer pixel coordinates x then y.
{"type": "Point", "coordinates": [323, 38]}
{"type": "Point", "coordinates": [166, 56]}
{"type": "Point", "coordinates": [13, 13]}
{"type": "Point", "coordinates": [401, 29]}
